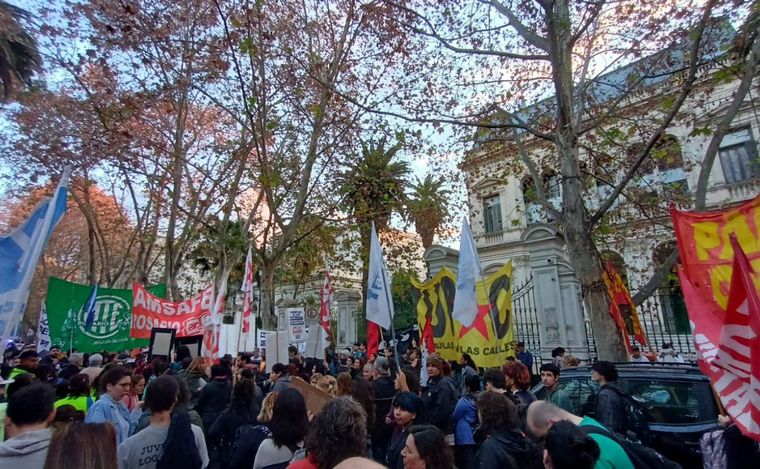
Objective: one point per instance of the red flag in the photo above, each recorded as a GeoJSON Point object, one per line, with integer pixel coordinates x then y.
{"type": "Point", "coordinates": [727, 345]}
{"type": "Point", "coordinates": [620, 300]}
{"type": "Point", "coordinates": [427, 335]}
{"type": "Point", "coordinates": [326, 297]}
{"type": "Point", "coordinates": [373, 338]}
{"type": "Point", "coordinates": [248, 292]}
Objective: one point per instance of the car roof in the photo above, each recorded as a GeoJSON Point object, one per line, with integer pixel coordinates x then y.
{"type": "Point", "coordinates": [627, 369]}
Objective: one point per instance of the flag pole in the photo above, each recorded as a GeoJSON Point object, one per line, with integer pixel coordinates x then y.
{"type": "Point", "coordinates": [393, 331]}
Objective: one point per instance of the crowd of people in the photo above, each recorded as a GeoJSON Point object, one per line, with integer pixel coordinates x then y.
{"type": "Point", "coordinates": [106, 410]}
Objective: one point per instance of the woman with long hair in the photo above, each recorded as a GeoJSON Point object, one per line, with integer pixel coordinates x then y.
{"type": "Point", "coordinates": [133, 397]}
{"type": "Point", "coordinates": [342, 421]}
{"type": "Point", "coordinates": [426, 448]}
{"type": "Point", "coordinates": [505, 445]}
{"type": "Point", "coordinates": [248, 438]}
{"type": "Point", "coordinates": [344, 384]}
{"type": "Point", "coordinates": [114, 385]}
{"type": "Point", "coordinates": [328, 384]}
{"type": "Point", "coordinates": [196, 376]}
{"type": "Point", "coordinates": [362, 393]}
{"type": "Point", "coordinates": [82, 445]}
{"type": "Point", "coordinates": [289, 425]}
{"type": "Point", "coordinates": [242, 410]}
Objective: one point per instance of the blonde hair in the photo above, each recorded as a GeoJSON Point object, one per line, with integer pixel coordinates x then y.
{"type": "Point", "coordinates": [266, 407]}
{"type": "Point", "coordinates": [328, 384]}
{"type": "Point", "coordinates": [569, 361]}
{"type": "Point", "coordinates": [198, 364]}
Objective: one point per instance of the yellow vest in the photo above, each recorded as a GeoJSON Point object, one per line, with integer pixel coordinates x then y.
{"type": "Point", "coordinates": [81, 403]}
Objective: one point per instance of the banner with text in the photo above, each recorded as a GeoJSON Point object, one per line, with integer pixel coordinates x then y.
{"type": "Point", "coordinates": [297, 325]}
{"type": "Point", "coordinates": [705, 249]}
{"type": "Point", "coordinates": [188, 317]}
{"type": "Point", "coordinates": [490, 338]}
{"type": "Point", "coordinates": [111, 325]}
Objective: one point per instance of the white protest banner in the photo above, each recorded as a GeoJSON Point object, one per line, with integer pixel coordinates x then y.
{"type": "Point", "coordinates": [43, 331]}
{"type": "Point", "coordinates": [261, 338]}
{"type": "Point", "coordinates": [276, 348]}
{"type": "Point", "coordinates": [296, 325]}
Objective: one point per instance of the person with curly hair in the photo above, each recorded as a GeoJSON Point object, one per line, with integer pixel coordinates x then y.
{"type": "Point", "coordinates": [338, 432]}
{"type": "Point", "coordinates": [505, 446]}
{"type": "Point", "coordinates": [328, 384]}
{"type": "Point", "coordinates": [518, 381]}
{"type": "Point", "coordinates": [425, 448]}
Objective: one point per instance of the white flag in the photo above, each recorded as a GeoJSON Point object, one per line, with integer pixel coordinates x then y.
{"type": "Point", "coordinates": [379, 303]}
{"type": "Point", "coordinates": [20, 251]}
{"type": "Point", "coordinates": [468, 272]}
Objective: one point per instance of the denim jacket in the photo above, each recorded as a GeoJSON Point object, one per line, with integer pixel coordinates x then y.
{"type": "Point", "coordinates": [106, 409]}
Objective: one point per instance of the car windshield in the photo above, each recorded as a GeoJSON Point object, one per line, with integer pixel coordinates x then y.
{"type": "Point", "coordinates": [674, 402]}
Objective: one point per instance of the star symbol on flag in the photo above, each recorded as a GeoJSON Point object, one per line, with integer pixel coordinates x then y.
{"type": "Point", "coordinates": [479, 323]}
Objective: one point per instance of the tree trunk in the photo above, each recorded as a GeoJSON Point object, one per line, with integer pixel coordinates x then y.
{"type": "Point", "coordinates": [581, 248]}
{"type": "Point", "coordinates": [268, 316]}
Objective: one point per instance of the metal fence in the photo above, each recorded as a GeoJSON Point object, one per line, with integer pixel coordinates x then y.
{"type": "Point", "coordinates": [662, 316]}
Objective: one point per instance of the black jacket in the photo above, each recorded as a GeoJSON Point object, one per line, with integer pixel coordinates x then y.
{"type": "Point", "coordinates": [393, 459]}
{"type": "Point", "coordinates": [247, 442]}
{"type": "Point", "coordinates": [213, 400]}
{"type": "Point", "coordinates": [384, 391]}
{"type": "Point", "coordinates": [440, 397]}
{"type": "Point", "coordinates": [506, 449]}
{"type": "Point", "coordinates": [610, 410]}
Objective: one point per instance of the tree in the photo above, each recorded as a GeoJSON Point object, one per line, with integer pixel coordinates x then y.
{"type": "Point", "coordinates": [428, 207]}
{"type": "Point", "coordinates": [505, 53]}
{"type": "Point", "coordinates": [19, 59]}
{"type": "Point", "coordinates": [404, 304]}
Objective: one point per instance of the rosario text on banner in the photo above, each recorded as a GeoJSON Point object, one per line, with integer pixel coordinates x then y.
{"type": "Point", "coordinates": [188, 317]}
{"type": "Point", "coordinates": [705, 248]}
{"type": "Point", "coordinates": [490, 338]}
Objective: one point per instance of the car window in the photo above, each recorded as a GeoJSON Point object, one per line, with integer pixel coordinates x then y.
{"type": "Point", "coordinates": [582, 394]}
{"type": "Point", "coordinates": [674, 402]}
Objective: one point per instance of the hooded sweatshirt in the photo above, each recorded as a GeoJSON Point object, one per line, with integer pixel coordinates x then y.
{"type": "Point", "coordinates": [506, 449]}
{"type": "Point", "coordinates": [26, 450]}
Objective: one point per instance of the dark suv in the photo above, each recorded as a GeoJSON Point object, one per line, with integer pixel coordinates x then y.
{"type": "Point", "coordinates": [678, 399]}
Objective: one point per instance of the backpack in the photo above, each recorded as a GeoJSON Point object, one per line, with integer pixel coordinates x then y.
{"type": "Point", "coordinates": [642, 457]}
{"type": "Point", "coordinates": [713, 446]}
{"type": "Point", "coordinates": [635, 416]}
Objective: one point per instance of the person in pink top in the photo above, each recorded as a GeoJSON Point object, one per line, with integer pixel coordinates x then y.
{"type": "Point", "coordinates": [132, 398]}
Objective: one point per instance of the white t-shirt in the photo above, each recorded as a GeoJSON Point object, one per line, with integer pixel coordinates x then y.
{"type": "Point", "coordinates": [142, 450]}
{"type": "Point", "coordinates": [269, 454]}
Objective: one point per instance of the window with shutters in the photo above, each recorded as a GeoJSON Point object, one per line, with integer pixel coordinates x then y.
{"type": "Point", "coordinates": [738, 156]}
{"type": "Point", "coordinates": [492, 214]}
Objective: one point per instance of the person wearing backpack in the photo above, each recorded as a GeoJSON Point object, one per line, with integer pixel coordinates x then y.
{"type": "Point", "coordinates": [610, 410]}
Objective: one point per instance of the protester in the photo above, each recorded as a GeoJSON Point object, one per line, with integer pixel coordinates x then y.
{"type": "Point", "coordinates": [280, 377]}
{"type": "Point", "coordinates": [342, 420]}
{"type": "Point", "coordinates": [469, 368]}
{"type": "Point", "coordinates": [328, 384]}
{"type": "Point", "coordinates": [555, 395]}
{"type": "Point", "coordinates": [526, 358]}
{"type": "Point", "coordinates": [242, 410]}
{"type": "Point", "coordinates": [114, 384]}
{"type": "Point", "coordinates": [558, 355]}
{"type": "Point", "coordinates": [406, 409]}
{"type": "Point", "coordinates": [68, 414]}
{"type": "Point", "coordinates": [494, 381]}
{"type": "Point", "coordinates": [344, 381]}
{"type": "Point", "coordinates": [426, 448]}
{"type": "Point", "coordinates": [94, 363]}
{"type": "Point", "coordinates": [384, 392]}
{"type": "Point", "coordinates": [196, 377]}
{"type": "Point", "coordinates": [566, 446]}
{"type": "Point", "coordinates": [505, 446]}
{"type": "Point", "coordinates": [439, 396]}
{"type": "Point", "coordinates": [73, 366]}
{"type": "Point", "coordinates": [29, 361]}
{"type": "Point", "coordinates": [78, 395]}
{"type": "Point", "coordinates": [27, 421]}
{"type": "Point", "coordinates": [82, 445]}
{"type": "Point", "coordinates": [368, 372]}
{"type": "Point", "coordinates": [518, 381]}
{"type": "Point", "coordinates": [542, 415]}
{"type": "Point", "coordinates": [182, 356]}
{"type": "Point", "coordinates": [466, 418]}
{"type": "Point", "coordinates": [314, 379]}
{"type": "Point", "coordinates": [249, 437]}
{"type": "Point", "coordinates": [739, 450]}
{"type": "Point", "coordinates": [362, 393]}
{"type": "Point", "coordinates": [132, 398]}
{"type": "Point", "coordinates": [169, 441]}
{"type": "Point", "coordinates": [289, 425]}
{"type": "Point", "coordinates": [610, 409]}
{"type": "Point", "coordinates": [668, 354]}
{"type": "Point", "coordinates": [636, 356]}
{"type": "Point", "coordinates": [215, 396]}
{"type": "Point", "coordinates": [569, 361]}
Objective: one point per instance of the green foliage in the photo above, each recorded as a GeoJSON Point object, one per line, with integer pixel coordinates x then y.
{"type": "Point", "coordinates": [19, 59]}
{"type": "Point", "coordinates": [214, 243]}
{"type": "Point", "coordinates": [302, 260]}
{"type": "Point", "coordinates": [428, 206]}
{"type": "Point", "coordinates": [402, 293]}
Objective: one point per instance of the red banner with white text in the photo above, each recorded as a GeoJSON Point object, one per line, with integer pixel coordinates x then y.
{"type": "Point", "coordinates": [188, 317]}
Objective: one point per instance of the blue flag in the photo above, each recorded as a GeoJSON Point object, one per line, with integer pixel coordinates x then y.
{"type": "Point", "coordinates": [20, 250]}
{"type": "Point", "coordinates": [89, 307]}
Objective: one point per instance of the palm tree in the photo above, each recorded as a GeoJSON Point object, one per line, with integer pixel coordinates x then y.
{"type": "Point", "coordinates": [19, 59]}
{"type": "Point", "coordinates": [428, 207]}
{"type": "Point", "coordinates": [374, 188]}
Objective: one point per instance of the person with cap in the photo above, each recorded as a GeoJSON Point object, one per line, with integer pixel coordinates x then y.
{"type": "Point", "coordinates": [384, 391]}
{"type": "Point", "coordinates": [440, 397]}
{"type": "Point", "coordinates": [29, 361]}
{"type": "Point", "coordinates": [526, 358]}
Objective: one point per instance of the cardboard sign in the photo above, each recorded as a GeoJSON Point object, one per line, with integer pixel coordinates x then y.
{"type": "Point", "coordinates": [315, 398]}
{"type": "Point", "coordinates": [161, 343]}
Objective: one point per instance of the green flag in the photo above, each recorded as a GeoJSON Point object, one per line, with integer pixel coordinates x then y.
{"type": "Point", "coordinates": [113, 317]}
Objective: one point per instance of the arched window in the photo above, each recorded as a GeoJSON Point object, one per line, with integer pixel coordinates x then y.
{"type": "Point", "coordinates": [552, 185]}
{"type": "Point", "coordinates": [633, 152]}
